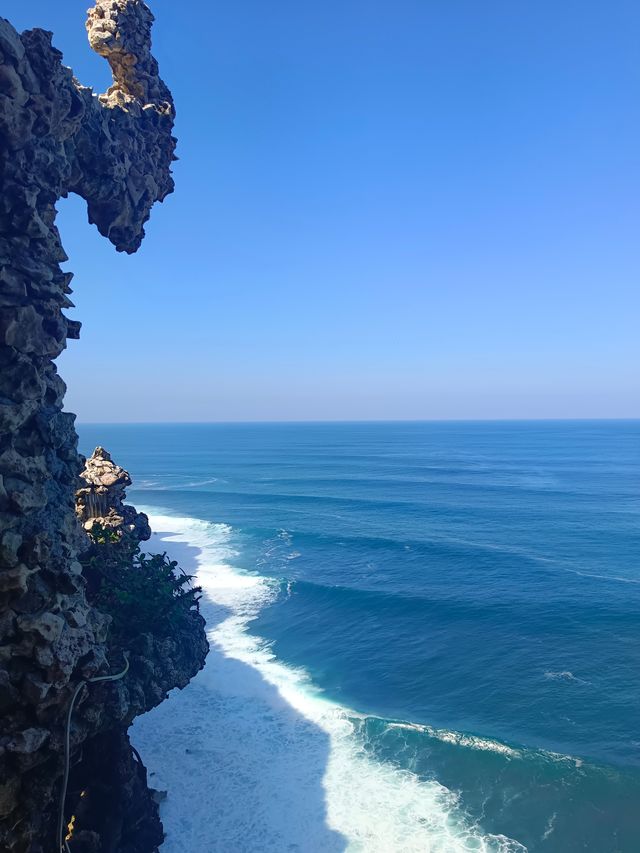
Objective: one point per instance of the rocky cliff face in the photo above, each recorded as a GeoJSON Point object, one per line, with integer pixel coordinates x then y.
{"type": "Point", "coordinates": [114, 150]}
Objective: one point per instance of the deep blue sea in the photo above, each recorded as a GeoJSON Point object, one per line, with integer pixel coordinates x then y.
{"type": "Point", "coordinates": [454, 607]}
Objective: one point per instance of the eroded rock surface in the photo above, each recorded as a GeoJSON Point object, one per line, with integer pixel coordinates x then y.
{"type": "Point", "coordinates": [114, 150]}
{"type": "Point", "coordinates": [101, 500]}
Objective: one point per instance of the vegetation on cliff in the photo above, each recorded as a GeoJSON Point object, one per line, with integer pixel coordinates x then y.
{"type": "Point", "coordinates": [148, 591]}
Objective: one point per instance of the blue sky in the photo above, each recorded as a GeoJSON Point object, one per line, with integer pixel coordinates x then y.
{"type": "Point", "coordinates": [400, 209]}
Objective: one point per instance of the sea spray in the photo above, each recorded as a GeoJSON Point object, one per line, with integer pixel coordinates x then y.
{"type": "Point", "coordinates": [254, 758]}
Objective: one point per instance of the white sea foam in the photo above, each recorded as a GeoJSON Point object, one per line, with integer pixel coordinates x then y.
{"type": "Point", "coordinates": [550, 826]}
{"type": "Point", "coordinates": [565, 675]}
{"type": "Point", "coordinates": [166, 486]}
{"type": "Point", "coordinates": [460, 739]}
{"type": "Point", "coordinates": [255, 759]}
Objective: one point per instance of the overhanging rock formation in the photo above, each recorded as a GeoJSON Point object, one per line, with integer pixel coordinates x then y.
{"type": "Point", "coordinates": [114, 150]}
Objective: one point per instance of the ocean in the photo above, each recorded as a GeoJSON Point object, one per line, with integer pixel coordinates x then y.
{"type": "Point", "coordinates": [424, 636]}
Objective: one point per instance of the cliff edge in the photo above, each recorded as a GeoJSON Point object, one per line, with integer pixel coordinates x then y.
{"type": "Point", "coordinates": [114, 150]}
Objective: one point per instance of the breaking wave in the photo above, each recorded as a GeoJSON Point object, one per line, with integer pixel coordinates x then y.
{"type": "Point", "coordinates": [255, 758]}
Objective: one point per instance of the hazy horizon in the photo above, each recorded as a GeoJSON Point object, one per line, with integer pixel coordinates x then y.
{"type": "Point", "coordinates": [354, 421]}
{"type": "Point", "coordinates": [382, 212]}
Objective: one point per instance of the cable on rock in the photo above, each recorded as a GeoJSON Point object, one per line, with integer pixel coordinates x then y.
{"type": "Point", "coordinates": [63, 847]}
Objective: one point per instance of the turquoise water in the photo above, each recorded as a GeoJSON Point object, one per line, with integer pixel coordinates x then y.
{"type": "Point", "coordinates": [471, 591]}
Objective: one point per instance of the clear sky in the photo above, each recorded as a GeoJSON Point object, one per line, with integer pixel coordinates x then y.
{"type": "Point", "coordinates": [399, 209]}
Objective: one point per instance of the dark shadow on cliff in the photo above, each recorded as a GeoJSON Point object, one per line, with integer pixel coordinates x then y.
{"type": "Point", "coordinates": [243, 769]}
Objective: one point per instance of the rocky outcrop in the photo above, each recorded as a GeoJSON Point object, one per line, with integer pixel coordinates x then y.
{"type": "Point", "coordinates": [115, 810]}
{"type": "Point", "coordinates": [101, 501]}
{"type": "Point", "coordinates": [114, 150]}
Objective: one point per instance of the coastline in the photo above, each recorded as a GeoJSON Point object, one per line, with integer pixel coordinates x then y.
{"type": "Point", "coordinates": [252, 757]}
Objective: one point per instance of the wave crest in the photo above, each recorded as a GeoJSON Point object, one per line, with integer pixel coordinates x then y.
{"type": "Point", "coordinates": [263, 723]}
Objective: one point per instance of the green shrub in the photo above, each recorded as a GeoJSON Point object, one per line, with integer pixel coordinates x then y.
{"type": "Point", "coordinates": [141, 592]}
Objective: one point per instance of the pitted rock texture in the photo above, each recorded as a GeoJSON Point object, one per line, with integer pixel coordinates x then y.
{"type": "Point", "coordinates": [113, 799]}
{"type": "Point", "coordinates": [101, 500]}
{"type": "Point", "coordinates": [114, 150]}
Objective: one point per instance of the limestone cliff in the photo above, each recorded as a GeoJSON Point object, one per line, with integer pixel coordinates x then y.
{"type": "Point", "coordinates": [114, 150]}
{"type": "Point", "coordinates": [101, 500]}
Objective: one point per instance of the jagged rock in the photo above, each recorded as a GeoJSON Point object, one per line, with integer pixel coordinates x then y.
{"type": "Point", "coordinates": [15, 579]}
{"type": "Point", "coordinates": [9, 545]}
{"type": "Point", "coordinates": [34, 688]}
{"type": "Point", "coordinates": [101, 501]}
{"type": "Point", "coordinates": [9, 796]}
{"type": "Point", "coordinates": [47, 627]}
{"type": "Point", "coordinates": [116, 803]}
{"type": "Point", "coordinates": [27, 741]}
{"type": "Point", "coordinates": [114, 150]}
{"type": "Point", "coordinates": [8, 693]}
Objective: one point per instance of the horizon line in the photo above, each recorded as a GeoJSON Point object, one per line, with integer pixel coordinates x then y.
{"type": "Point", "coordinates": [360, 421]}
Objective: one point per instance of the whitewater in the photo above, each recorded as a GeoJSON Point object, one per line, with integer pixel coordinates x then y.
{"type": "Point", "coordinates": [253, 757]}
